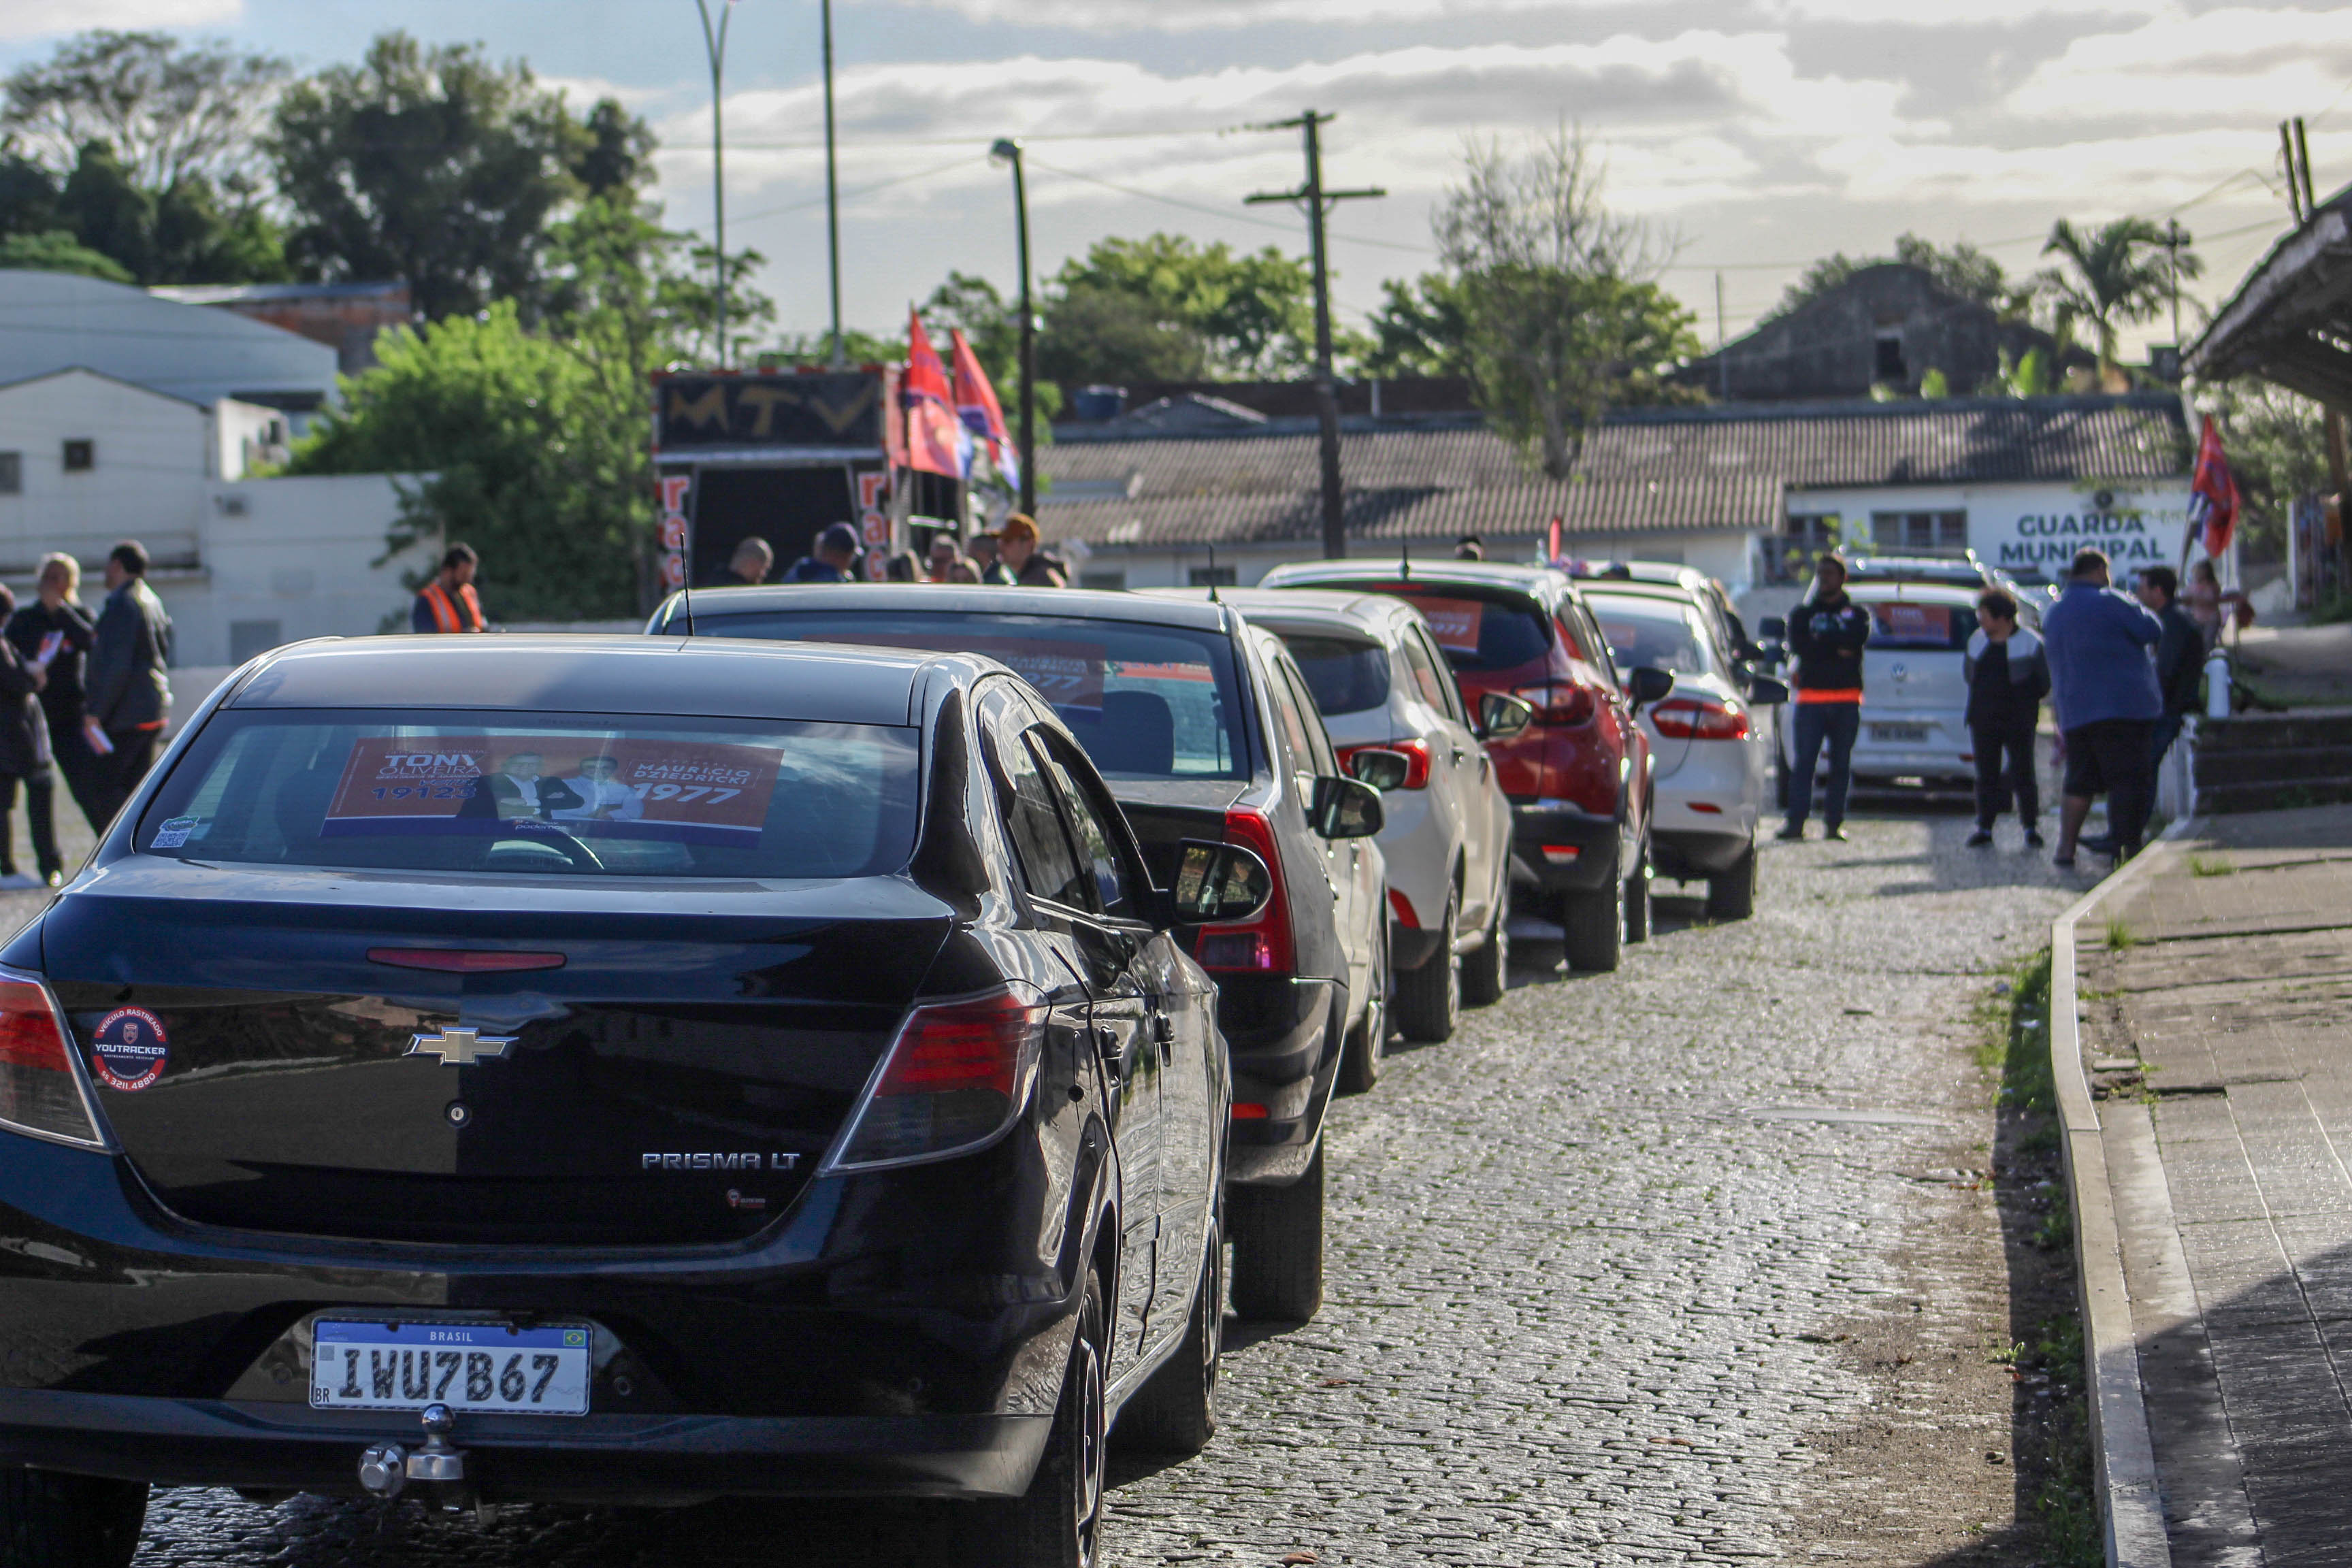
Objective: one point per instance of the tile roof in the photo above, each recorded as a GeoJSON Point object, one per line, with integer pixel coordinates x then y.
{"type": "Point", "coordinates": [1714, 468]}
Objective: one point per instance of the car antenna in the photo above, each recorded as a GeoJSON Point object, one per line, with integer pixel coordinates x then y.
{"type": "Point", "coordinates": [1405, 559]}
{"type": "Point", "coordinates": [1212, 576]}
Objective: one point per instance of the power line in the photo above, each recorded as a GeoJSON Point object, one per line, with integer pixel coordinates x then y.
{"type": "Point", "coordinates": [1223, 213]}
{"type": "Point", "coordinates": [863, 191]}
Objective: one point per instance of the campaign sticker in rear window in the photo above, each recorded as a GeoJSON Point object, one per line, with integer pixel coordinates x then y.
{"type": "Point", "coordinates": [129, 1050]}
{"type": "Point", "coordinates": [1069, 674]}
{"type": "Point", "coordinates": [1911, 625]}
{"type": "Point", "coordinates": [1456, 621]}
{"type": "Point", "coordinates": [690, 792]}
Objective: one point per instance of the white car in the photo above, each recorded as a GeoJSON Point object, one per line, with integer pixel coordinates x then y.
{"type": "Point", "coordinates": [1383, 684]}
{"type": "Point", "coordinates": [1914, 693]}
{"type": "Point", "coordinates": [1709, 740]}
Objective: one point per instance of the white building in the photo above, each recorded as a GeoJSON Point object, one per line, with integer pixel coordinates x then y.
{"type": "Point", "coordinates": [88, 461]}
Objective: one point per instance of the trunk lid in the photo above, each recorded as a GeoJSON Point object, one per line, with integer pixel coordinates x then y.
{"type": "Point", "coordinates": [1165, 813]}
{"type": "Point", "coordinates": [674, 1083]}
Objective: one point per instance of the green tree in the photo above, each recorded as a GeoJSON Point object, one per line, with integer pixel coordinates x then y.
{"type": "Point", "coordinates": [1166, 308]}
{"type": "Point", "coordinates": [185, 233]}
{"type": "Point", "coordinates": [430, 164]}
{"type": "Point", "coordinates": [1098, 334]}
{"type": "Point", "coordinates": [28, 192]}
{"type": "Point", "coordinates": [616, 158]}
{"type": "Point", "coordinates": [1560, 295]}
{"type": "Point", "coordinates": [58, 251]}
{"type": "Point", "coordinates": [1959, 267]}
{"type": "Point", "coordinates": [2277, 441]}
{"type": "Point", "coordinates": [2111, 276]}
{"type": "Point", "coordinates": [168, 110]}
{"type": "Point", "coordinates": [1422, 328]}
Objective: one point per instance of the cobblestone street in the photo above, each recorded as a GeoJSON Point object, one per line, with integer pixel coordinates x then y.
{"type": "Point", "coordinates": [1689, 1263]}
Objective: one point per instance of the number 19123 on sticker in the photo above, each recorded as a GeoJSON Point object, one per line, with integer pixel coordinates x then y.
{"type": "Point", "coordinates": [488, 1368]}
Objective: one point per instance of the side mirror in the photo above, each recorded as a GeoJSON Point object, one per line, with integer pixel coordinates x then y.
{"type": "Point", "coordinates": [1346, 808]}
{"type": "Point", "coordinates": [1766, 692]}
{"type": "Point", "coordinates": [1649, 685]}
{"type": "Point", "coordinates": [1772, 628]}
{"type": "Point", "coordinates": [1501, 716]}
{"type": "Point", "coordinates": [1218, 884]}
{"type": "Point", "coordinates": [1383, 769]}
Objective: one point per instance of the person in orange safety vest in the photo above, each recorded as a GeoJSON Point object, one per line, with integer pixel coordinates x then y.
{"type": "Point", "coordinates": [448, 603]}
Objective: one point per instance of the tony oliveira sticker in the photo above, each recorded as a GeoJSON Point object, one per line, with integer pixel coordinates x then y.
{"type": "Point", "coordinates": [130, 1050]}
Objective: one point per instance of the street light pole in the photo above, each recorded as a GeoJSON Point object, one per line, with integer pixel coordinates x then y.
{"type": "Point", "coordinates": [832, 197]}
{"type": "Point", "coordinates": [1009, 152]}
{"type": "Point", "coordinates": [714, 45]}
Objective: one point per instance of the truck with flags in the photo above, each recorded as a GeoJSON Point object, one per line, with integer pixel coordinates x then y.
{"type": "Point", "coordinates": [782, 454]}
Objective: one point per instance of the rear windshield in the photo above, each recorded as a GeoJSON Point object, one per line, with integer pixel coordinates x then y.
{"type": "Point", "coordinates": [1346, 675]}
{"type": "Point", "coordinates": [1474, 632]}
{"type": "Point", "coordinates": [569, 794]}
{"type": "Point", "coordinates": [1655, 633]}
{"type": "Point", "coordinates": [1907, 623]}
{"type": "Point", "coordinates": [1146, 701]}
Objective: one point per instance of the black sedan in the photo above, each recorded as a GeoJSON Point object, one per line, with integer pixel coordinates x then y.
{"type": "Point", "coordinates": [1204, 729]}
{"type": "Point", "coordinates": [612, 1071]}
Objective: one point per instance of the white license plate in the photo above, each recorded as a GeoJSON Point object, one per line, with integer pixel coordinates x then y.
{"type": "Point", "coordinates": [1906, 734]}
{"type": "Point", "coordinates": [486, 1367]}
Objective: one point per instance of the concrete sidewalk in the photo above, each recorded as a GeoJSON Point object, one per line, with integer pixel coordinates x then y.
{"type": "Point", "coordinates": [2217, 1029]}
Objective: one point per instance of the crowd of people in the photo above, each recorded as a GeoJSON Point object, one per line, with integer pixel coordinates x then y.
{"type": "Point", "coordinates": [2120, 670]}
{"type": "Point", "coordinates": [1012, 556]}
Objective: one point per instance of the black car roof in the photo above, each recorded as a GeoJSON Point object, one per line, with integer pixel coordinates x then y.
{"type": "Point", "coordinates": [697, 677]}
{"type": "Point", "coordinates": [1077, 604]}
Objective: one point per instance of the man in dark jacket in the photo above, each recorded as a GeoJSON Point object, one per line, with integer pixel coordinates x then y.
{"type": "Point", "coordinates": [130, 694]}
{"type": "Point", "coordinates": [2008, 678]}
{"type": "Point", "coordinates": [2103, 685]}
{"type": "Point", "coordinates": [24, 755]}
{"type": "Point", "coordinates": [833, 558]}
{"type": "Point", "coordinates": [1021, 558]}
{"type": "Point", "coordinates": [2179, 653]}
{"type": "Point", "coordinates": [1826, 634]}
{"type": "Point", "coordinates": [56, 632]}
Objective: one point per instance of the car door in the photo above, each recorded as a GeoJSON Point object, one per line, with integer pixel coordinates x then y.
{"type": "Point", "coordinates": [1162, 1011]}
{"type": "Point", "coordinates": [1460, 767]}
{"type": "Point", "coordinates": [1343, 859]}
{"type": "Point", "coordinates": [1105, 1001]}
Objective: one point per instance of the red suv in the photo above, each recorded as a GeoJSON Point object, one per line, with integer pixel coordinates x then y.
{"type": "Point", "coordinates": [1578, 776]}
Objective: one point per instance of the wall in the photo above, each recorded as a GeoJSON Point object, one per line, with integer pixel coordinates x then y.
{"type": "Point", "coordinates": [147, 483]}
{"type": "Point", "coordinates": [2029, 530]}
{"type": "Point", "coordinates": [288, 559]}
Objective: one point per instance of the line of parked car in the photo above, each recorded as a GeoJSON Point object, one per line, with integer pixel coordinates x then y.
{"type": "Point", "coordinates": [824, 1047]}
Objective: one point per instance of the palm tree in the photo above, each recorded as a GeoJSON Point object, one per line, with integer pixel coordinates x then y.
{"type": "Point", "coordinates": [2112, 275]}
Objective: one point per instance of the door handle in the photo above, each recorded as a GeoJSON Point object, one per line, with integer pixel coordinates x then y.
{"type": "Point", "coordinates": [1164, 1029]}
{"type": "Point", "coordinates": [1458, 754]}
{"type": "Point", "coordinates": [1106, 1048]}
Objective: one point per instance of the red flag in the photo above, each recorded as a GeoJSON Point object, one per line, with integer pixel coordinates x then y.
{"type": "Point", "coordinates": [1553, 544]}
{"type": "Point", "coordinates": [2212, 493]}
{"type": "Point", "coordinates": [983, 416]}
{"type": "Point", "coordinates": [932, 428]}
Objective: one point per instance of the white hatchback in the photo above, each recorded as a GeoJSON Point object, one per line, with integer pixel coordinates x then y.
{"type": "Point", "coordinates": [1914, 691]}
{"type": "Point", "coordinates": [1382, 683]}
{"type": "Point", "coordinates": [1712, 750]}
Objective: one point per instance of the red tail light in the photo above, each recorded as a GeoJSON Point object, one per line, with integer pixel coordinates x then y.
{"type": "Point", "coordinates": [40, 1092]}
{"type": "Point", "coordinates": [463, 960]}
{"type": "Point", "coordinates": [1402, 908]}
{"type": "Point", "coordinates": [954, 1078]}
{"type": "Point", "coordinates": [1264, 946]}
{"type": "Point", "coordinates": [1692, 718]}
{"type": "Point", "coordinates": [1417, 756]}
{"type": "Point", "coordinates": [1559, 701]}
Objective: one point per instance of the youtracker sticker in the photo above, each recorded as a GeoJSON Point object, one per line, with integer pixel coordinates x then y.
{"type": "Point", "coordinates": [174, 833]}
{"type": "Point", "coordinates": [130, 1050]}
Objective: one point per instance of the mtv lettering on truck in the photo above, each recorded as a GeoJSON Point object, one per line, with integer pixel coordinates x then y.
{"type": "Point", "coordinates": [689, 791]}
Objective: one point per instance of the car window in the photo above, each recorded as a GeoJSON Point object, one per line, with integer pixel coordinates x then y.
{"type": "Point", "coordinates": [1345, 675]}
{"type": "Point", "coordinates": [1911, 623]}
{"type": "Point", "coordinates": [1096, 845]}
{"type": "Point", "coordinates": [1658, 633]}
{"type": "Point", "coordinates": [1041, 845]}
{"type": "Point", "coordinates": [1326, 761]}
{"type": "Point", "coordinates": [501, 792]}
{"type": "Point", "coordinates": [1604, 673]}
{"type": "Point", "coordinates": [1418, 658]}
{"type": "Point", "coordinates": [1292, 722]}
{"type": "Point", "coordinates": [1476, 632]}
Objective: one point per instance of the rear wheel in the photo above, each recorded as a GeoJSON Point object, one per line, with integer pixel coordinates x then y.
{"type": "Point", "coordinates": [1278, 1248]}
{"type": "Point", "coordinates": [1429, 999]}
{"type": "Point", "coordinates": [1176, 1411]}
{"type": "Point", "coordinates": [1058, 1523]}
{"type": "Point", "coordinates": [1487, 973]}
{"type": "Point", "coordinates": [1360, 1062]}
{"type": "Point", "coordinates": [52, 1520]}
{"type": "Point", "coordinates": [1731, 895]}
{"type": "Point", "coordinates": [1637, 900]}
{"type": "Point", "coordinates": [1592, 927]}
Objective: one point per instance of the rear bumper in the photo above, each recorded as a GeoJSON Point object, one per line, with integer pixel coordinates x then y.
{"type": "Point", "coordinates": [1687, 857]}
{"type": "Point", "coordinates": [1541, 830]}
{"type": "Point", "coordinates": [603, 1460]}
{"type": "Point", "coordinates": [1286, 1058]}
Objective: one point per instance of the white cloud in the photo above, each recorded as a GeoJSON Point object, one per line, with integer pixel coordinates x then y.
{"type": "Point", "coordinates": [1195, 16]}
{"type": "Point", "coordinates": [581, 91]}
{"type": "Point", "coordinates": [2222, 65]}
{"type": "Point", "coordinates": [41, 18]}
{"type": "Point", "coordinates": [1958, 13]}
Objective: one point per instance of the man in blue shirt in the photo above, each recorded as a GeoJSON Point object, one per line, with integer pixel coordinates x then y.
{"type": "Point", "coordinates": [2103, 691]}
{"type": "Point", "coordinates": [834, 560]}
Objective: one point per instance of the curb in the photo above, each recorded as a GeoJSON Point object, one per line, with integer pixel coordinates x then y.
{"type": "Point", "coordinates": [2132, 1511]}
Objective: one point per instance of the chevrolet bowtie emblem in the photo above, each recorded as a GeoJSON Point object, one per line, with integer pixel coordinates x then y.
{"type": "Point", "coordinates": [459, 1048]}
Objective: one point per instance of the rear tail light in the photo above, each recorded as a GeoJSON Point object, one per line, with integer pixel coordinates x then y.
{"type": "Point", "coordinates": [41, 1090]}
{"type": "Point", "coordinates": [1245, 1111]}
{"type": "Point", "coordinates": [1561, 854]}
{"type": "Point", "coordinates": [1401, 907]}
{"type": "Point", "coordinates": [1689, 719]}
{"type": "Point", "coordinates": [1264, 945]}
{"type": "Point", "coordinates": [954, 1080]}
{"type": "Point", "coordinates": [1559, 701]}
{"type": "Point", "coordinates": [1416, 757]}
{"type": "Point", "coordinates": [464, 960]}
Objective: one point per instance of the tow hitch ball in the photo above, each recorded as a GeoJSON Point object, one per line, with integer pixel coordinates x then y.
{"type": "Point", "coordinates": [387, 1468]}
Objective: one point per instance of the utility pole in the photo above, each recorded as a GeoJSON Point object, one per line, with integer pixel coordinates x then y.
{"type": "Point", "coordinates": [2295, 179]}
{"type": "Point", "coordinates": [714, 45]}
{"type": "Point", "coordinates": [1722, 361]}
{"type": "Point", "coordinates": [2175, 238]}
{"type": "Point", "coordinates": [1009, 152]}
{"type": "Point", "coordinates": [1319, 203]}
{"type": "Point", "coordinates": [832, 197]}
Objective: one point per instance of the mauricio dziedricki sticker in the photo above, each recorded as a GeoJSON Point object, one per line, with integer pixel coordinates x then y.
{"type": "Point", "coordinates": [130, 1050]}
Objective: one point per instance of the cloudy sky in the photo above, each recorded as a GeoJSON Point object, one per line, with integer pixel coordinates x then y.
{"type": "Point", "coordinates": [1761, 132]}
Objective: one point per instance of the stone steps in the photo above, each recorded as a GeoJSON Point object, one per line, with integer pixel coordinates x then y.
{"type": "Point", "coordinates": [2260, 762]}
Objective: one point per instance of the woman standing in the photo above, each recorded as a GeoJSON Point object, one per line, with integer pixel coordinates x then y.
{"type": "Point", "coordinates": [58, 614]}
